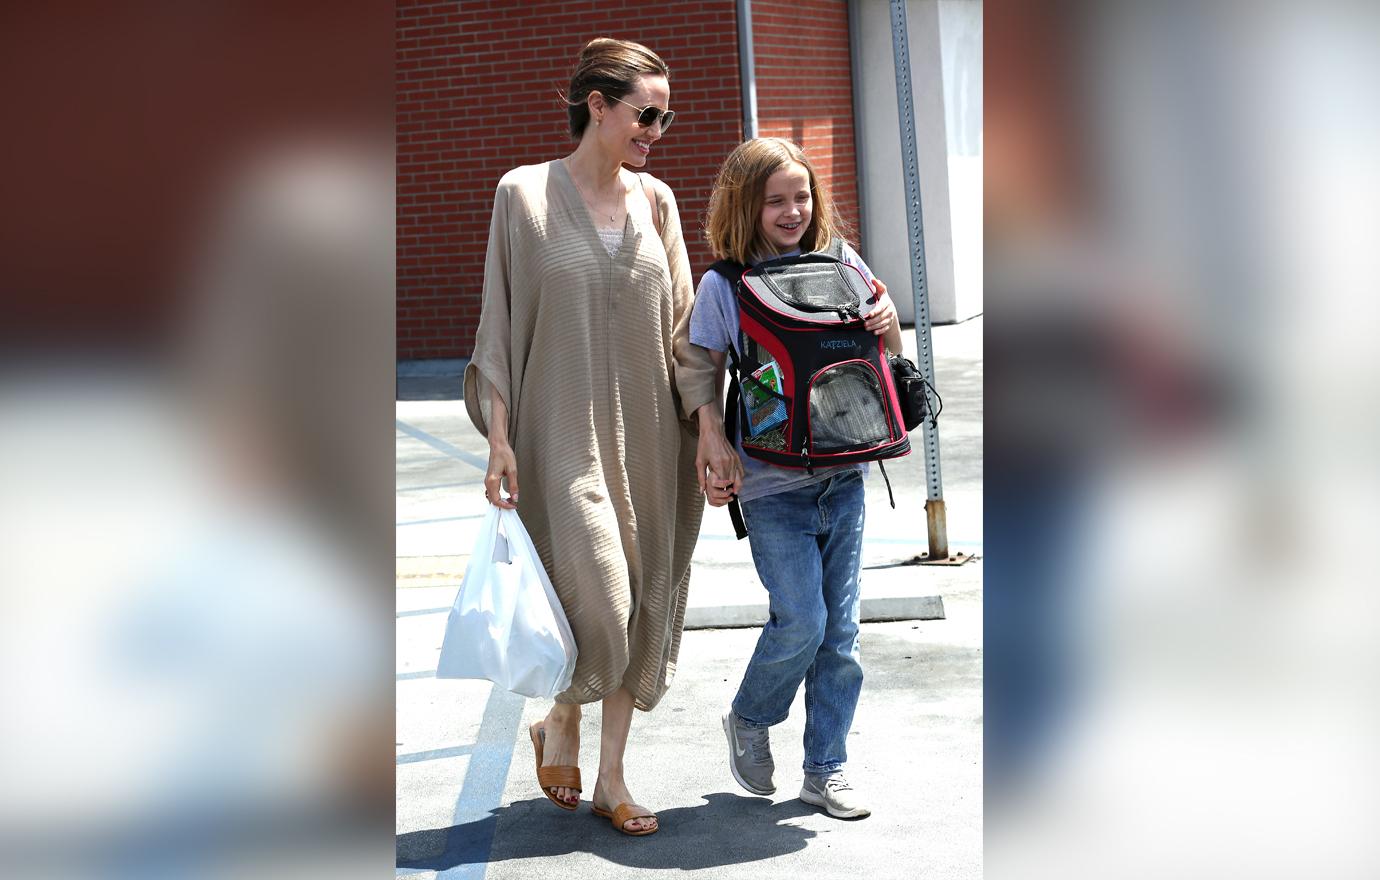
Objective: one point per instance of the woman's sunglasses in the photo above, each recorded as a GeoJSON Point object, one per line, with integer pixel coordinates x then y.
{"type": "Point", "coordinates": [649, 114]}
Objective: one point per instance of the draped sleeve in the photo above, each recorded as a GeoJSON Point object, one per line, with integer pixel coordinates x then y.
{"type": "Point", "coordinates": [692, 374]}
{"type": "Point", "coordinates": [491, 365]}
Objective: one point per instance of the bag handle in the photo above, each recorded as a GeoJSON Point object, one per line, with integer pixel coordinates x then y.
{"type": "Point", "coordinates": [502, 543]}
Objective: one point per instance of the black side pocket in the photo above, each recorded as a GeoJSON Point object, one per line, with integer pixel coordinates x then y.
{"type": "Point", "coordinates": [910, 391]}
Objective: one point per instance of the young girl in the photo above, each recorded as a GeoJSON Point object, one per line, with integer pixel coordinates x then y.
{"type": "Point", "coordinates": [805, 529]}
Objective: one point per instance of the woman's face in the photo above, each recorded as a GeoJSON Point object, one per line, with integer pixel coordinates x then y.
{"type": "Point", "coordinates": [786, 208]}
{"type": "Point", "coordinates": [618, 133]}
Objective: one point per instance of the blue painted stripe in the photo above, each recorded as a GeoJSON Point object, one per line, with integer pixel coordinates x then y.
{"type": "Point", "coordinates": [421, 673]}
{"type": "Point", "coordinates": [469, 840]}
{"type": "Point", "coordinates": [421, 611]}
{"type": "Point", "coordinates": [922, 540]}
{"type": "Point", "coordinates": [442, 446]}
{"type": "Point", "coordinates": [435, 754]}
{"type": "Point", "coordinates": [485, 779]}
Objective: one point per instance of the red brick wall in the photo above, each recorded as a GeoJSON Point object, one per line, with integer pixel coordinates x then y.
{"type": "Point", "coordinates": [476, 96]}
{"type": "Point", "coordinates": [804, 89]}
{"type": "Point", "coordinates": [130, 125]}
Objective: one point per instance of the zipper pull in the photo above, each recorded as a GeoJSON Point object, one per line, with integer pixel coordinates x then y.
{"type": "Point", "coordinates": [805, 457]}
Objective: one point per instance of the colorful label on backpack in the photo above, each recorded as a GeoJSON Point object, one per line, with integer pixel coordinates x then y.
{"type": "Point", "coordinates": [764, 411]}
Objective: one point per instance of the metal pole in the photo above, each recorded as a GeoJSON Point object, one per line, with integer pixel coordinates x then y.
{"type": "Point", "coordinates": [747, 69]}
{"type": "Point", "coordinates": [855, 51]}
{"type": "Point", "coordinates": [934, 505]}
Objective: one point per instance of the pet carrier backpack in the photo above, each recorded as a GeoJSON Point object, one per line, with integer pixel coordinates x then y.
{"type": "Point", "coordinates": [811, 386]}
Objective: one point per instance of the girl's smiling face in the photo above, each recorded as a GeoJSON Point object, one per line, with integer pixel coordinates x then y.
{"type": "Point", "coordinates": [786, 207]}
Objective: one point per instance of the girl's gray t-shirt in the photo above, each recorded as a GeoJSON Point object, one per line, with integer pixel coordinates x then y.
{"type": "Point", "coordinates": [713, 325]}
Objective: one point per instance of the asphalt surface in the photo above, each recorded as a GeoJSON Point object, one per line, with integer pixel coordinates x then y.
{"type": "Point", "coordinates": [468, 803]}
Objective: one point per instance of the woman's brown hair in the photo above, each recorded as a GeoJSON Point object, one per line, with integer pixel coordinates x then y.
{"type": "Point", "coordinates": [735, 206]}
{"type": "Point", "coordinates": [611, 68]}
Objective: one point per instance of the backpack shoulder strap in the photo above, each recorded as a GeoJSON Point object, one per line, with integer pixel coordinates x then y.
{"type": "Point", "coordinates": [729, 269]}
{"type": "Point", "coordinates": [651, 200]}
{"type": "Point", "coordinates": [735, 513]}
{"type": "Point", "coordinates": [735, 510]}
{"type": "Point", "coordinates": [835, 248]}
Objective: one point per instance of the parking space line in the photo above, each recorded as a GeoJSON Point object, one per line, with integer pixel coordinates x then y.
{"type": "Point", "coordinates": [439, 519]}
{"type": "Point", "coordinates": [421, 611]}
{"type": "Point", "coordinates": [438, 444]}
{"type": "Point", "coordinates": [435, 754]}
{"type": "Point", "coordinates": [401, 489]}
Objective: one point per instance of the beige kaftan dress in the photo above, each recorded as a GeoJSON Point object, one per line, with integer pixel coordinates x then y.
{"type": "Point", "coordinates": [590, 353]}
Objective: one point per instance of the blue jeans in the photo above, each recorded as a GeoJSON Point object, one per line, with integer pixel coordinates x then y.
{"type": "Point", "coordinates": [807, 546]}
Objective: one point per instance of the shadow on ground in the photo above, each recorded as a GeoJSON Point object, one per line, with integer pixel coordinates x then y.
{"type": "Point", "coordinates": [706, 836]}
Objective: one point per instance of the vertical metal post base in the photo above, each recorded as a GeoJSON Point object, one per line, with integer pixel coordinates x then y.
{"type": "Point", "coordinates": [939, 541]}
{"type": "Point", "coordinates": [939, 532]}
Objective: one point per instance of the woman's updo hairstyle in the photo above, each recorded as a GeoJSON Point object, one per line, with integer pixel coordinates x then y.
{"type": "Point", "coordinates": [611, 68]}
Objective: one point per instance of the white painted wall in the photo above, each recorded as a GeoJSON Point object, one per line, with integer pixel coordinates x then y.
{"type": "Point", "coordinates": [946, 78]}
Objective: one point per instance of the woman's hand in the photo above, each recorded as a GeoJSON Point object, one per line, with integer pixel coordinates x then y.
{"type": "Point", "coordinates": [717, 466]}
{"type": "Point", "coordinates": [502, 471]}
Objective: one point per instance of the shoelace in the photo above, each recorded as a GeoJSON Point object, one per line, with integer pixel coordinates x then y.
{"type": "Point", "coordinates": [837, 783]}
{"type": "Point", "coordinates": [757, 745]}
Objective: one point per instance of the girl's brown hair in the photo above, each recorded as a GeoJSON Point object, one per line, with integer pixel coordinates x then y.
{"type": "Point", "coordinates": [611, 68]}
{"type": "Point", "coordinates": [735, 206]}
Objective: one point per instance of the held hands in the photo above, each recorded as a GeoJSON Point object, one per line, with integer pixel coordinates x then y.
{"type": "Point", "coordinates": [502, 470]}
{"type": "Point", "coordinates": [884, 315]}
{"type": "Point", "coordinates": [720, 491]}
{"type": "Point", "coordinates": [718, 468]}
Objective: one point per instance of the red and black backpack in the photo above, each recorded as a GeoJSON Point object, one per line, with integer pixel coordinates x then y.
{"type": "Point", "coordinates": [811, 386]}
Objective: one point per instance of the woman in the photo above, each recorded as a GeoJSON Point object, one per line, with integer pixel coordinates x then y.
{"type": "Point", "coordinates": [581, 376]}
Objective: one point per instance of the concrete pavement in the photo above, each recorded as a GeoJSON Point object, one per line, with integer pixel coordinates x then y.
{"type": "Point", "coordinates": [468, 803]}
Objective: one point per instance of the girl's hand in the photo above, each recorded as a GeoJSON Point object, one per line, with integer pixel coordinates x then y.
{"type": "Point", "coordinates": [502, 470]}
{"type": "Point", "coordinates": [721, 490]}
{"type": "Point", "coordinates": [717, 466]}
{"type": "Point", "coordinates": [884, 314]}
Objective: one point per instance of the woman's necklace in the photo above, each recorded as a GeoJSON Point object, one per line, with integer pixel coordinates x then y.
{"type": "Point", "coordinates": [619, 199]}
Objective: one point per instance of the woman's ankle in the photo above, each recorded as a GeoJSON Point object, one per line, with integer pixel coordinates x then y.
{"type": "Point", "coordinates": [611, 778]}
{"type": "Point", "coordinates": [564, 714]}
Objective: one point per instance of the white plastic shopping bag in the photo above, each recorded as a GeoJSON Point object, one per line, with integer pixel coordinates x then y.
{"type": "Point", "coordinates": [506, 624]}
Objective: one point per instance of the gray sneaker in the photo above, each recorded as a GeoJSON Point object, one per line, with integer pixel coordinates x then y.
{"type": "Point", "coordinates": [834, 794]}
{"type": "Point", "coordinates": [749, 755]}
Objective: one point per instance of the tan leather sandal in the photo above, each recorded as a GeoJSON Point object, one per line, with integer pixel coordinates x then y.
{"type": "Point", "coordinates": [555, 776]}
{"type": "Point", "coordinates": [625, 813]}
